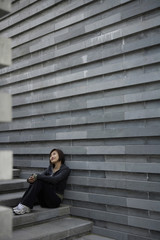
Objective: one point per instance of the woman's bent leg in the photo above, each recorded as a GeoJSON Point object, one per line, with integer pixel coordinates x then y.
{"type": "Point", "coordinates": [49, 197]}
{"type": "Point", "coordinates": [31, 195]}
{"type": "Point", "coordinates": [26, 192]}
{"type": "Point", "coordinates": [43, 192]}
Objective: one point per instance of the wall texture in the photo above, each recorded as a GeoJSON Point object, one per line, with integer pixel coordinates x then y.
{"type": "Point", "coordinates": [6, 161]}
{"type": "Point", "coordinates": [85, 78]}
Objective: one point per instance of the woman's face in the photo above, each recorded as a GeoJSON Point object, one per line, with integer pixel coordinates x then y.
{"type": "Point", "coordinates": [54, 157]}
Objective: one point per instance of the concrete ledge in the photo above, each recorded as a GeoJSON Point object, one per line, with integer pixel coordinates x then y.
{"type": "Point", "coordinates": [93, 237]}
{"type": "Point", "coordinates": [39, 214]}
{"type": "Point", "coordinates": [114, 234]}
{"type": "Point", "coordinates": [91, 150]}
{"type": "Point", "coordinates": [59, 229]}
{"type": "Point", "coordinates": [6, 164]}
{"type": "Point", "coordinates": [139, 222]}
{"type": "Point", "coordinates": [132, 185]}
{"type": "Point", "coordinates": [5, 223]}
{"type": "Point", "coordinates": [13, 184]}
{"type": "Point", "coordinates": [5, 52]}
{"type": "Point", "coordinates": [31, 11]}
{"type": "Point", "coordinates": [107, 37]}
{"type": "Point", "coordinates": [88, 134]}
{"type": "Point", "coordinates": [133, 80]}
{"type": "Point", "coordinates": [93, 53]}
{"type": "Point", "coordinates": [100, 166]}
{"type": "Point", "coordinates": [11, 199]}
{"type": "Point", "coordinates": [124, 99]}
{"type": "Point", "coordinates": [63, 106]}
{"type": "Point", "coordinates": [109, 117]}
{"type": "Point", "coordinates": [5, 107]}
{"type": "Point", "coordinates": [107, 101]}
{"type": "Point", "coordinates": [5, 7]}
{"type": "Point", "coordinates": [112, 35]}
{"type": "Point", "coordinates": [23, 9]}
{"type": "Point", "coordinates": [99, 215]}
{"type": "Point", "coordinates": [120, 16]}
{"type": "Point", "coordinates": [112, 66]}
{"type": "Point", "coordinates": [114, 166]}
{"type": "Point", "coordinates": [117, 218]}
{"type": "Point", "coordinates": [149, 205]}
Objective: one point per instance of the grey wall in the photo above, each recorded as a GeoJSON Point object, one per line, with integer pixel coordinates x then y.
{"type": "Point", "coordinates": [85, 78]}
{"type": "Point", "coordinates": [6, 161]}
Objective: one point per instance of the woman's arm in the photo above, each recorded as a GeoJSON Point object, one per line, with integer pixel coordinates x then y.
{"type": "Point", "coordinates": [33, 177]}
{"type": "Point", "coordinates": [55, 178]}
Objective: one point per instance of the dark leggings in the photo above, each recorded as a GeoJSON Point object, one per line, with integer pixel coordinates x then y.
{"type": "Point", "coordinates": [41, 192]}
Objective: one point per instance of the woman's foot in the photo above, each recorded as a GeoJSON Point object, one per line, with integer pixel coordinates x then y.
{"type": "Point", "coordinates": [17, 207]}
{"type": "Point", "coordinates": [21, 209]}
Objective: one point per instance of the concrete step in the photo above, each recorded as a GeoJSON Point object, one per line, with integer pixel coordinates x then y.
{"type": "Point", "coordinates": [39, 214]}
{"type": "Point", "coordinates": [93, 237]}
{"type": "Point", "coordinates": [5, 222]}
{"type": "Point", "coordinates": [64, 228]}
{"type": "Point", "coordinates": [13, 185]}
{"type": "Point", "coordinates": [30, 225]}
{"type": "Point", "coordinates": [11, 199]}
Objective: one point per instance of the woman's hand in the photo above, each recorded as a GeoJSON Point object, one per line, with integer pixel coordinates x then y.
{"type": "Point", "coordinates": [32, 178]}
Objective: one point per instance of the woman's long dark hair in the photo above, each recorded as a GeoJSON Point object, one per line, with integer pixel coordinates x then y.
{"type": "Point", "coordinates": [60, 154]}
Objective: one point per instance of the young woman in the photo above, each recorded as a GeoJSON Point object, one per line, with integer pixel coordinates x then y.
{"type": "Point", "coordinates": [48, 187]}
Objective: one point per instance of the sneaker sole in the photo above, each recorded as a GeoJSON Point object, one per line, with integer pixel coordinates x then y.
{"type": "Point", "coordinates": [17, 212]}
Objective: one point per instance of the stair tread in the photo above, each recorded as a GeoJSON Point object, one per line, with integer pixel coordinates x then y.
{"type": "Point", "coordinates": [58, 229]}
{"type": "Point", "coordinates": [9, 196]}
{"type": "Point", "coordinates": [93, 237]}
{"type": "Point", "coordinates": [13, 185]}
{"type": "Point", "coordinates": [10, 199]}
{"type": "Point", "coordinates": [40, 214]}
{"type": "Point", "coordinates": [12, 181]}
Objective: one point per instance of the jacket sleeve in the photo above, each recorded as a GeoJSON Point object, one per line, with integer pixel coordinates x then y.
{"type": "Point", "coordinates": [55, 179]}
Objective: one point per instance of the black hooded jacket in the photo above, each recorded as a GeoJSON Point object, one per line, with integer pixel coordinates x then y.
{"type": "Point", "coordinates": [57, 179]}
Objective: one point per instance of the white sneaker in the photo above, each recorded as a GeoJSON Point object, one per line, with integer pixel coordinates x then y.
{"type": "Point", "coordinates": [19, 206]}
{"type": "Point", "coordinates": [21, 209]}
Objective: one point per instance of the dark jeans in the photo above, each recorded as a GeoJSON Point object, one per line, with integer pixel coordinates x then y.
{"type": "Point", "coordinates": [41, 192]}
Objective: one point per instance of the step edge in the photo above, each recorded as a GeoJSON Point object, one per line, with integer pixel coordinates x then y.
{"type": "Point", "coordinates": [84, 227]}
{"type": "Point", "coordinates": [35, 217]}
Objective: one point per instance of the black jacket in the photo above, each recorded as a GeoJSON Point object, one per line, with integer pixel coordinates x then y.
{"type": "Point", "coordinates": [57, 179]}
